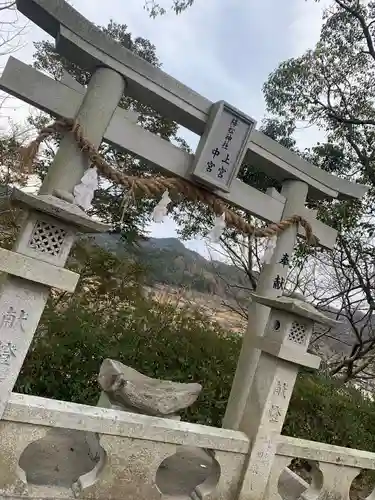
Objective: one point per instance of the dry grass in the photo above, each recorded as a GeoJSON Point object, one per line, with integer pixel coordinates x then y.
{"type": "Point", "coordinates": [208, 304]}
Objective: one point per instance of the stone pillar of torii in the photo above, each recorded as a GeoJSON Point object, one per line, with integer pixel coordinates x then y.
{"type": "Point", "coordinates": [228, 137]}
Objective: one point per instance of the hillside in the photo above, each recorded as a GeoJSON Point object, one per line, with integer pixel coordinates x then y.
{"type": "Point", "coordinates": [180, 275]}
{"type": "Point", "coordinates": [169, 262]}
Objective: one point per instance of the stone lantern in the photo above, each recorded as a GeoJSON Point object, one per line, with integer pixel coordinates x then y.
{"type": "Point", "coordinates": [289, 328]}
{"type": "Point", "coordinates": [283, 349]}
{"type": "Point", "coordinates": [31, 270]}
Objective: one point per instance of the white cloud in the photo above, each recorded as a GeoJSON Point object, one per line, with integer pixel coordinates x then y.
{"type": "Point", "coordinates": [304, 33]}
{"type": "Point", "coordinates": [166, 229]}
{"type": "Point", "coordinates": [305, 28]}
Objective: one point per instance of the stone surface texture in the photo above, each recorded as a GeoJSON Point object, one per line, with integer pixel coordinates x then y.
{"type": "Point", "coordinates": [283, 347]}
{"type": "Point", "coordinates": [44, 237]}
{"type": "Point", "coordinates": [42, 460]}
{"type": "Point", "coordinates": [132, 449]}
{"type": "Point", "coordinates": [34, 410]}
{"type": "Point", "coordinates": [21, 304]}
{"type": "Point", "coordinates": [36, 270]}
{"type": "Point", "coordinates": [333, 469]}
{"type": "Point", "coordinates": [296, 307]}
{"type": "Point", "coordinates": [295, 193]}
{"type": "Point", "coordinates": [56, 207]}
{"type": "Point", "coordinates": [130, 389]}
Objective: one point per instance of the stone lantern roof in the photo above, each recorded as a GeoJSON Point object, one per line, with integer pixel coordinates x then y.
{"type": "Point", "coordinates": [296, 306]}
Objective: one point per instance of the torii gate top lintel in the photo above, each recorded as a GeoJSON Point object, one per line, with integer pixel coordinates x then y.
{"type": "Point", "coordinates": [83, 43]}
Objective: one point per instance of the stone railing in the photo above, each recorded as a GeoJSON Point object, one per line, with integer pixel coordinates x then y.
{"type": "Point", "coordinates": [134, 453]}
{"type": "Point", "coordinates": [332, 470]}
{"type": "Point", "coordinates": [142, 457]}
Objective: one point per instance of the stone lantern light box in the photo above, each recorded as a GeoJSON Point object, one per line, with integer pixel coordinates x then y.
{"type": "Point", "coordinates": [289, 329]}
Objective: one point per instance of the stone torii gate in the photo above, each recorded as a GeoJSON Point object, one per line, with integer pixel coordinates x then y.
{"type": "Point", "coordinates": [114, 69]}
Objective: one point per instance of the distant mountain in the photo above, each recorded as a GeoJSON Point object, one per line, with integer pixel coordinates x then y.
{"type": "Point", "coordinates": [169, 262]}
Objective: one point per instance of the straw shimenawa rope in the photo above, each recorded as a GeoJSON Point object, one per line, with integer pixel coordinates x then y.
{"type": "Point", "coordinates": [155, 186]}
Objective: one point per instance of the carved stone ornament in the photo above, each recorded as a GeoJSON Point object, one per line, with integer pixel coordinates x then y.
{"type": "Point", "coordinates": [133, 391]}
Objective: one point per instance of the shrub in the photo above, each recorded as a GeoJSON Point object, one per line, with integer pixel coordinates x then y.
{"type": "Point", "coordinates": [156, 339]}
{"type": "Point", "coordinates": [163, 342]}
{"type": "Point", "coordinates": [110, 317]}
{"type": "Point", "coordinates": [323, 410]}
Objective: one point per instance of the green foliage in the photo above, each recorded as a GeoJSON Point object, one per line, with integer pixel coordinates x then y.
{"type": "Point", "coordinates": [331, 87]}
{"type": "Point", "coordinates": [162, 342]}
{"type": "Point", "coordinates": [111, 317]}
{"type": "Point", "coordinates": [152, 338]}
{"type": "Point", "coordinates": [324, 410]}
{"type": "Point", "coordinates": [155, 9]}
{"type": "Point", "coordinates": [75, 336]}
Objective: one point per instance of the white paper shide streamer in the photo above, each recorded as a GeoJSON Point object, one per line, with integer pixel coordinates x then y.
{"type": "Point", "coordinates": [270, 248]}
{"type": "Point", "coordinates": [160, 211]}
{"type": "Point", "coordinates": [218, 229]}
{"type": "Point", "coordinates": [85, 190]}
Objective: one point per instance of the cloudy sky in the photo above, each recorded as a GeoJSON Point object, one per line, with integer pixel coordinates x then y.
{"type": "Point", "coordinates": [223, 49]}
